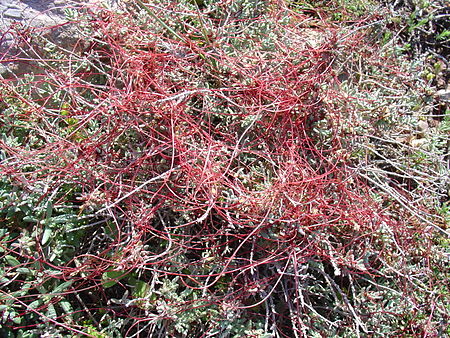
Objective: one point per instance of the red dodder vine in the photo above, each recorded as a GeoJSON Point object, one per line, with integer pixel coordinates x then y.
{"type": "Point", "coordinates": [203, 158]}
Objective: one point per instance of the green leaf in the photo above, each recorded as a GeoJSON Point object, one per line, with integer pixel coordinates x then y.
{"type": "Point", "coordinates": [444, 35]}
{"type": "Point", "coordinates": [7, 299]}
{"type": "Point", "coordinates": [24, 271]}
{"type": "Point", "coordinates": [35, 304]}
{"type": "Point", "coordinates": [66, 306]}
{"type": "Point", "coordinates": [24, 208]}
{"type": "Point", "coordinates": [51, 312]}
{"type": "Point", "coordinates": [49, 211]}
{"type": "Point", "coordinates": [71, 121]}
{"type": "Point", "coordinates": [23, 291]}
{"type": "Point", "coordinates": [111, 278]}
{"type": "Point", "coordinates": [61, 287]}
{"type": "Point", "coordinates": [12, 261]}
{"type": "Point", "coordinates": [63, 219]}
{"type": "Point", "coordinates": [141, 289]}
{"type": "Point", "coordinates": [30, 219]}
{"type": "Point", "coordinates": [17, 319]}
{"type": "Point", "coordinates": [46, 235]}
